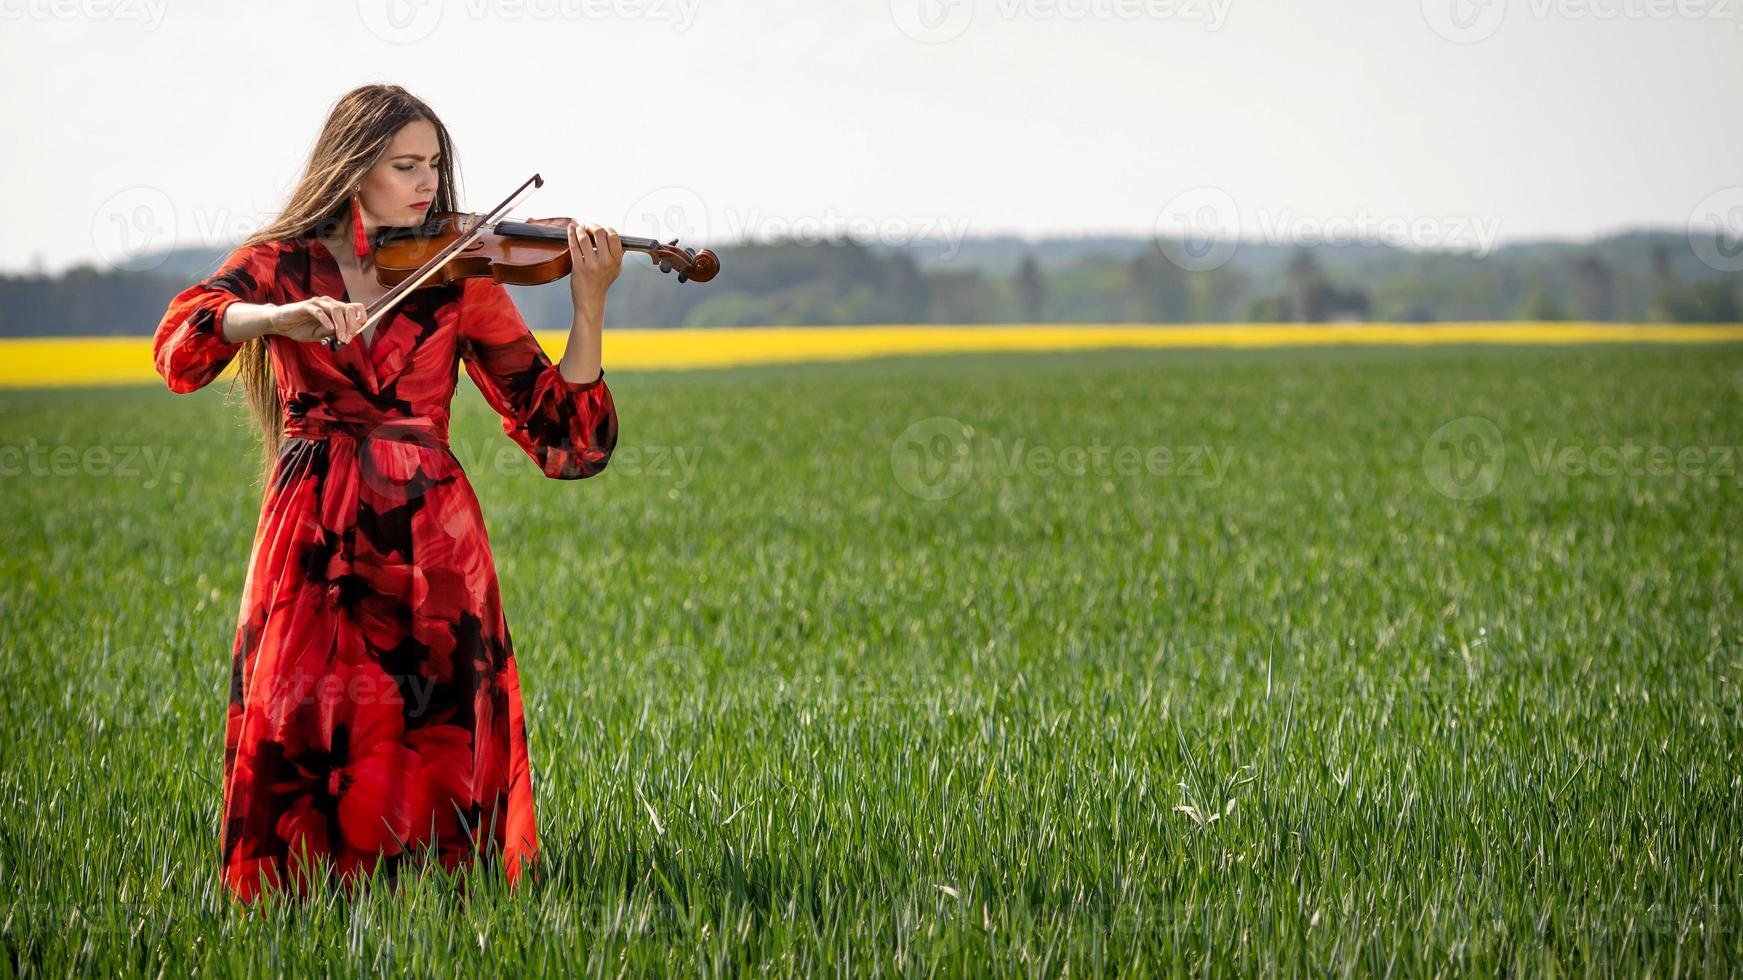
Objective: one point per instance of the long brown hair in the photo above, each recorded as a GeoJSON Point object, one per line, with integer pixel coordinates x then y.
{"type": "Point", "coordinates": [357, 132]}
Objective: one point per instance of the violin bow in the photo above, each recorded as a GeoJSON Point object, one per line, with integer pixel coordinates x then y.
{"type": "Point", "coordinates": [382, 306]}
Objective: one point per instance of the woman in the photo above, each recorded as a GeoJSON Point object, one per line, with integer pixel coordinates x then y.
{"type": "Point", "coordinates": [375, 710]}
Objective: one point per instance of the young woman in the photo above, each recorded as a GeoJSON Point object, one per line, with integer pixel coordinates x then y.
{"type": "Point", "coordinates": [375, 710]}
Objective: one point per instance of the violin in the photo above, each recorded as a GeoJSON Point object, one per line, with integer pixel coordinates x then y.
{"type": "Point", "coordinates": [519, 253]}
{"type": "Point", "coordinates": [452, 245]}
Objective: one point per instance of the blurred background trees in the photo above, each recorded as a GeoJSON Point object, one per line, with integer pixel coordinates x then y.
{"type": "Point", "coordinates": [1641, 276]}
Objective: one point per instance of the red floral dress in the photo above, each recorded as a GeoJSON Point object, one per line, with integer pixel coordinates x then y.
{"type": "Point", "coordinates": [375, 709]}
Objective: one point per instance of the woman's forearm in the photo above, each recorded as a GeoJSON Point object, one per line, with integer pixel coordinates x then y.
{"type": "Point", "coordinates": [581, 356]}
{"type": "Point", "coordinates": [245, 321]}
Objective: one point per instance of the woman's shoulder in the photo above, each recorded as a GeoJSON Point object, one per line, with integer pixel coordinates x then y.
{"type": "Point", "coordinates": [287, 245]}
{"type": "Point", "coordinates": [249, 267]}
{"type": "Point", "coordinates": [270, 250]}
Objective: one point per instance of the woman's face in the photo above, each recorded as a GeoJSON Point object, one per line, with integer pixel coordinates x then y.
{"type": "Point", "coordinates": [398, 190]}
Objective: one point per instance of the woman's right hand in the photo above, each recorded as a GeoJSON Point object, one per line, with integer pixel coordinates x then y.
{"type": "Point", "coordinates": [318, 318]}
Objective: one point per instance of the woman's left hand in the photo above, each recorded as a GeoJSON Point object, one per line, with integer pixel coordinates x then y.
{"type": "Point", "coordinates": [596, 253]}
{"type": "Point", "coordinates": [598, 258]}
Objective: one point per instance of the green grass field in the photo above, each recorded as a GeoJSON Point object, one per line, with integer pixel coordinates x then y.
{"type": "Point", "coordinates": [816, 689]}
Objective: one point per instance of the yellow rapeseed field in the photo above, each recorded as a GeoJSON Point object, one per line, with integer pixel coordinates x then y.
{"type": "Point", "coordinates": [47, 362]}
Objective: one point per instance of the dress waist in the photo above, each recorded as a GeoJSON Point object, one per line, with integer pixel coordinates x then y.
{"type": "Point", "coordinates": [401, 428]}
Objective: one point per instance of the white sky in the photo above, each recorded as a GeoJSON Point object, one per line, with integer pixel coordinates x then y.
{"type": "Point", "coordinates": [191, 119]}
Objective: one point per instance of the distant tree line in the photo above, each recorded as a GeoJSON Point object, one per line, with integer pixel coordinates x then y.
{"type": "Point", "coordinates": [1643, 276]}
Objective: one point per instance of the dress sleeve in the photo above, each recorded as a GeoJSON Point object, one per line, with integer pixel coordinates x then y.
{"type": "Point", "coordinates": [569, 428]}
{"type": "Point", "coordinates": [189, 349]}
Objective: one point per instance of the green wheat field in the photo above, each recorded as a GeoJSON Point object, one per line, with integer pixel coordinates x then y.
{"type": "Point", "coordinates": [1313, 662]}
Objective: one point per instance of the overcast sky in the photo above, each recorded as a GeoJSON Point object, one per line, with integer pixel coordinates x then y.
{"type": "Point", "coordinates": [137, 123]}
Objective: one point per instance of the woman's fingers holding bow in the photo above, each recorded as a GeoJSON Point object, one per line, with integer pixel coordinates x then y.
{"type": "Point", "coordinates": [321, 318]}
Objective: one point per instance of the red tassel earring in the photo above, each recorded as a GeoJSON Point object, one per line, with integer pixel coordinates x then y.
{"type": "Point", "coordinates": [359, 240]}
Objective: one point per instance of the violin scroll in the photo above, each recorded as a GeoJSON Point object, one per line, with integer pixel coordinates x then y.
{"type": "Point", "coordinates": [693, 265]}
